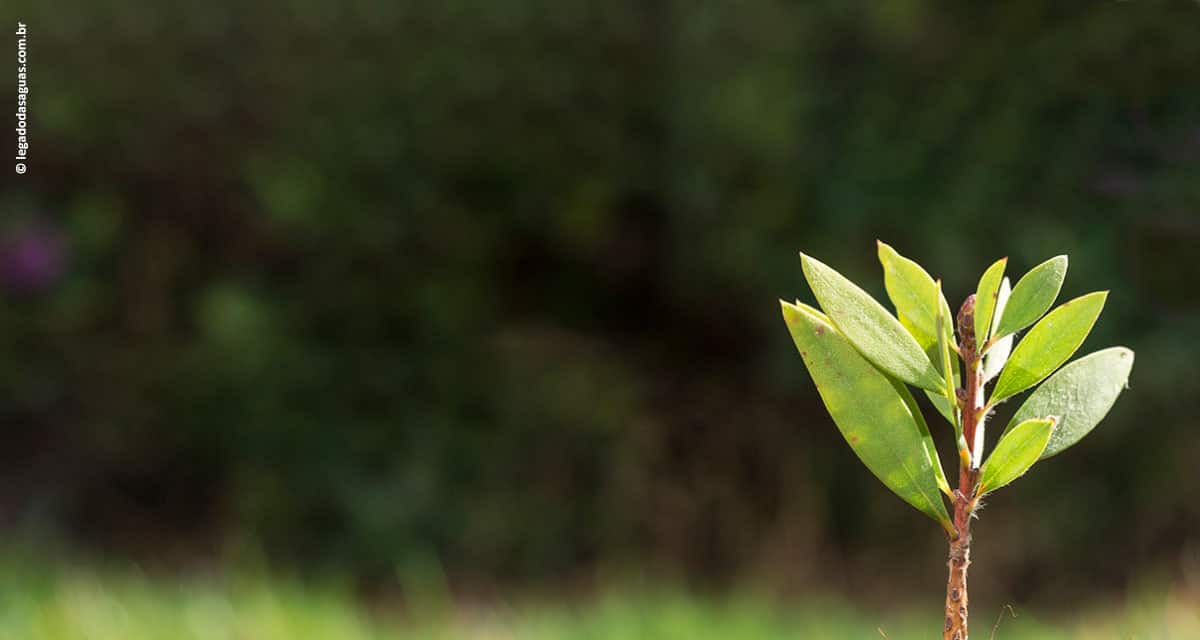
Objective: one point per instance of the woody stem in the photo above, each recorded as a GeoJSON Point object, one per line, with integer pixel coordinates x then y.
{"type": "Point", "coordinates": [971, 407]}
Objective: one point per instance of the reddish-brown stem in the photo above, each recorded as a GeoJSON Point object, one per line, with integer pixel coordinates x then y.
{"type": "Point", "coordinates": [956, 588]}
{"type": "Point", "coordinates": [971, 406]}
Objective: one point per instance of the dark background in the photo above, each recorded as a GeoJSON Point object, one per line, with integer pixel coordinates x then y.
{"type": "Point", "coordinates": [493, 285]}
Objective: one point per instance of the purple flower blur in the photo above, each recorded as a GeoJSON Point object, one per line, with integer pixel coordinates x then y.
{"type": "Point", "coordinates": [32, 258]}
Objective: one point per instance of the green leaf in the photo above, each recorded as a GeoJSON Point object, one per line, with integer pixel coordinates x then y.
{"type": "Point", "coordinates": [912, 290]}
{"type": "Point", "coordinates": [1032, 296]}
{"type": "Point", "coordinates": [997, 355]}
{"type": "Point", "coordinates": [947, 409]}
{"type": "Point", "coordinates": [878, 421]}
{"type": "Point", "coordinates": [985, 299]}
{"type": "Point", "coordinates": [927, 438]}
{"type": "Point", "coordinates": [1017, 450]}
{"type": "Point", "coordinates": [947, 368]}
{"type": "Point", "coordinates": [1082, 393]}
{"type": "Point", "coordinates": [869, 327]}
{"type": "Point", "coordinates": [1048, 344]}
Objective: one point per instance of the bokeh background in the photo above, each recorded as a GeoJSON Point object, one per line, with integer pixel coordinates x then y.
{"type": "Point", "coordinates": [479, 299]}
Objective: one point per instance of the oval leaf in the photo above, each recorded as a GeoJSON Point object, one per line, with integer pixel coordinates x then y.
{"type": "Point", "coordinates": [985, 299]}
{"type": "Point", "coordinates": [913, 292]}
{"type": "Point", "coordinates": [1017, 450]}
{"type": "Point", "coordinates": [872, 330]}
{"type": "Point", "coordinates": [1082, 393]}
{"type": "Point", "coordinates": [875, 418]}
{"type": "Point", "coordinates": [1048, 344]}
{"type": "Point", "coordinates": [1032, 296]}
{"type": "Point", "coordinates": [997, 355]}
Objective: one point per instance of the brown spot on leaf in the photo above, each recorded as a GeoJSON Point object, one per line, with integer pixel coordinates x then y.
{"type": "Point", "coordinates": [820, 329]}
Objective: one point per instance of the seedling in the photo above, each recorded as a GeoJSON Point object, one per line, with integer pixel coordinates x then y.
{"type": "Point", "coordinates": [861, 358]}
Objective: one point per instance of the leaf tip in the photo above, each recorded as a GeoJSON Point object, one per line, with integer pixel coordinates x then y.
{"type": "Point", "coordinates": [789, 310]}
{"type": "Point", "coordinates": [806, 262]}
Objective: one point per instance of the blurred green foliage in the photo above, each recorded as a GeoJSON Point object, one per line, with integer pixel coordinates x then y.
{"type": "Point", "coordinates": [492, 285]}
{"type": "Point", "coordinates": [52, 602]}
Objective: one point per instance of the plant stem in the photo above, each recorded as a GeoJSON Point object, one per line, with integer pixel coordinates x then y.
{"type": "Point", "coordinates": [956, 586]}
{"type": "Point", "coordinates": [971, 407]}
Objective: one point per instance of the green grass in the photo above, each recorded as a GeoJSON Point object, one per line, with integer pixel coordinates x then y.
{"type": "Point", "coordinates": [68, 603]}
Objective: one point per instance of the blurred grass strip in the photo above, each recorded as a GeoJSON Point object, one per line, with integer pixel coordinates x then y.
{"type": "Point", "coordinates": [61, 602]}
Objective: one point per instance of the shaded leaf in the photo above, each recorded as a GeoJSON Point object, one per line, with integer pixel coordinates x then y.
{"type": "Point", "coordinates": [1032, 296]}
{"type": "Point", "coordinates": [877, 420]}
{"type": "Point", "coordinates": [913, 292]}
{"type": "Point", "coordinates": [927, 438]}
{"type": "Point", "coordinates": [1048, 344]}
{"type": "Point", "coordinates": [873, 331]}
{"type": "Point", "coordinates": [947, 409]}
{"type": "Point", "coordinates": [1081, 393]}
{"type": "Point", "coordinates": [997, 355]}
{"type": "Point", "coordinates": [1017, 450]}
{"type": "Point", "coordinates": [947, 405]}
{"type": "Point", "coordinates": [985, 299]}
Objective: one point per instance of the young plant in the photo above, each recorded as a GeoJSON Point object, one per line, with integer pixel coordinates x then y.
{"type": "Point", "coordinates": [862, 360]}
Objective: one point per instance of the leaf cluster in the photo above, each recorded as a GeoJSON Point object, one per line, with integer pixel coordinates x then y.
{"type": "Point", "coordinates": [863, 359]}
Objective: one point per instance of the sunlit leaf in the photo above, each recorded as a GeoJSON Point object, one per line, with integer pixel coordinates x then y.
{"type": "Point", "coordinates": [914, 293]}
{"type": "Point", "coordinates": [1032, 296]}
{"type": "Point", "coordinates": [1081, 393]}
{"type": "Point", "coordinates": [870, 328]}
{"type": "Point", "coordinates": [1017, 450]}
{"type": "Point", "coordinates": [1048, 344]}
{"type": "Point", "coordinates": [879, 422]}
{"type": "Point", "coordinates": [997, 355]}
{"type": "Point", "coordinates": [985, 299]}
